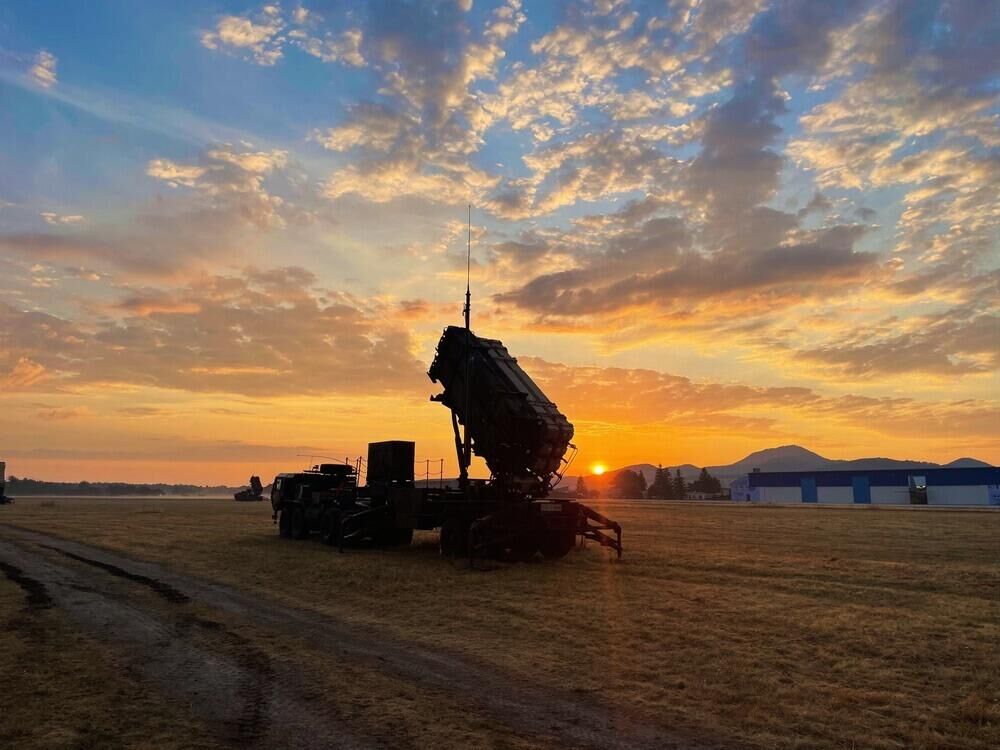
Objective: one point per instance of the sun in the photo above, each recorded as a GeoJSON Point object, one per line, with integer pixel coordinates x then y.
{"type": "Point", "coordinates": [598, 469]}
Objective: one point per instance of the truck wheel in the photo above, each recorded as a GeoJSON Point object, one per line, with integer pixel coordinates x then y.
{"type": "Point", "coordinates": [524, 548]}
{"type": "Point", "coordinates": [454, 539]}
{"type": "Point", "coordinates": [285, 524]}
{"type": "Point", "coordinates": [401, 537]}
{"type": "Point", "coordinates": [329, 525]}
{"type": "Point", "coordinates": [557, 544]}
{"type": "Point", "coordinates": [298, 524]}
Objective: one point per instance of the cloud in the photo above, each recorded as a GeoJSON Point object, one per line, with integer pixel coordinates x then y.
{"type": "Point", "coordinates": [590, 168]}
{"type": "Point", "coordinates": [175, 174]}
{"type": "Point", "coordinates": [614, 398]}
{"type": "Point", "coordinates": [142, 412]}
{"type": "Point", "coordinates": [371, 127]}
{"type": "Point", "coordinates": [418, 140]}
{"type": "Point", "coordinates": [703, 250]}
{"type": "Point", "coordinates": [153, 302]}
{"type": "Point", "coordinates": [736, 170]}
{"type": "Point", "coordinates": [820, 203]}
{"type": "Point", "coordinates": [43, 72]}
{"type": "Point", "coordinates": [259, 36]}
{"type": "Point", "coordinates": [266, 34]}
{"type": "Point", "coordinates": [656, 265]}
{"type": "Point", "coordinates": [61, 413]}
{"type": "Point", "coordinates": [57, 219]}
{"type": "Point", "coordinates": [217, 208]}
{"type": "Point", "coordinates": [234, 181]}
{"type": "Point", "coordinates": [580, 67]}
{"type": "Point", "coordinates": [384, 181]}
{"type": "Point", "coordinates": [945, 345]}
{"type": "Point", "coordinates": [263, 332]}
{"type": "Point", "coordinates": [24, 373]}
{"type": "Point", "coordinates": [344, 47]}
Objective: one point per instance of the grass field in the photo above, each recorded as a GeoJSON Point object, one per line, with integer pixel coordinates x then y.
{"type": "Point", "coordinates": [757, 626]}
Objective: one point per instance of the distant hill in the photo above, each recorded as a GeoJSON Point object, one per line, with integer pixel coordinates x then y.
{"type": "Point", "coordinates": [967, 463]}
{"type": "Point", "coordinates": [782, 458]}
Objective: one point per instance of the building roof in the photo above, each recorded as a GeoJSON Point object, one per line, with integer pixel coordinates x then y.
{"type": "Point", "coordinates": [971, 476]}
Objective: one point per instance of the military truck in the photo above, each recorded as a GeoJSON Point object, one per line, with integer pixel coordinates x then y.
{"type": "Point", "coordinates": [326, 500]}
{"type": "Point", "coordinates": [498, 413]}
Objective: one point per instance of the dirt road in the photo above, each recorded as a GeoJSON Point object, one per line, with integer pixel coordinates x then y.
{"type": "Point", "coordinates": [184, 635]}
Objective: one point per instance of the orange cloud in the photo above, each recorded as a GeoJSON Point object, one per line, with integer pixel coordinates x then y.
{"type": "Point", "coordinates": [23, 375]}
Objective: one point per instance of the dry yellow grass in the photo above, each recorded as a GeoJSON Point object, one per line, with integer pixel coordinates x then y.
{"type": "Point", "coordinates": [773, 627]}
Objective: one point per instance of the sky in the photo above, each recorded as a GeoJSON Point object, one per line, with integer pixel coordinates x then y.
{"type": "Point", "coordinates": [231, 233]}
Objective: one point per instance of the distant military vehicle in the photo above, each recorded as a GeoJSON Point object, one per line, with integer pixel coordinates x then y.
{"type": "Point", "coordinates": [255, 491]}
{"type": "Point", "coordinates": [3, 485]}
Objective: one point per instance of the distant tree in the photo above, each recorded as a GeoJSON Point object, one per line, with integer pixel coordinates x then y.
{"type": "Point", "coordinates": [707, 483]}
{"type": "Point", "coordinates": [628, 483]}
{"type": "Point", "coordinates": [581, 487]}
{"type": "Point", "coordinates": [653, 489]}
{"type": "Point", "coordinates": [661, 488]}
{"type": "Point", "coordinates": [680, 489]}
{"type": "Point", "coordinates": [668, 485]}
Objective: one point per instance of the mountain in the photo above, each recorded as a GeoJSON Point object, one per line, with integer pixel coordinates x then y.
{"type": "Point", "coordinates": [967, 463]}
{"type": "Point", "coordinates": [782, 458]}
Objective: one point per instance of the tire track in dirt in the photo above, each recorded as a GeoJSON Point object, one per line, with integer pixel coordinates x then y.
{"type": "Point", "coordinates": [572, 719]}
{"type": "Point", "coordinates": [36, 595]}
{"type": "Point", "coordinates": [254, 692]}
{"type": "Point", "coordinates": [168, 592]}
{"type": "Point", "coordinates": [221, 675]}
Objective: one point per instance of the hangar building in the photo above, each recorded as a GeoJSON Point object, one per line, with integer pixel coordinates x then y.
{"type": "Point", "coordinates": [947, 486]}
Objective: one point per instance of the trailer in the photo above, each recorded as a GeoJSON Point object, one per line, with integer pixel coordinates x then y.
{"type": "Point", "coordinates": [498, 413]}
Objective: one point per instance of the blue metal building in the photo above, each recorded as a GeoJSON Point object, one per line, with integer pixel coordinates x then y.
{"type": "Point", "coordinates": [949, 486]}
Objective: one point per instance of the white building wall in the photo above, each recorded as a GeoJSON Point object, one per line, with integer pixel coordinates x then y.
{"type": "Point", "coordinates": [780, 494]}
{"type": "Point", "coordinates": [739, 489]}
{"type": "Point", "coordinates": [897, 495]}
{"type": "Point", "coordinates": [962, 495]}
{"type": "Point", "coordinates": [835, 494]}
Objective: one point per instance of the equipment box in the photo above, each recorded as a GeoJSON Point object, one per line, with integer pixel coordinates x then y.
{"type": "Point", "coordinates": [390, 461]}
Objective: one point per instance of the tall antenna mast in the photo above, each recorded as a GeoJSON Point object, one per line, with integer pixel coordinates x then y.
{"type": "Point", "coordinates": [466, 457]}
{"type": "Point", "coordinates": [468, 274]}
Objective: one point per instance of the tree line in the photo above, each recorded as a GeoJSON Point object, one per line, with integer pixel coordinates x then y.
{"type": "Point", "coordinates": [665, 486]}
{"type": "Point", "coordinates": [27, 487]}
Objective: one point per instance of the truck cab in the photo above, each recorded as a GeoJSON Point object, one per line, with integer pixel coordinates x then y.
{"type": "Point", "coordinates": [301, 486]}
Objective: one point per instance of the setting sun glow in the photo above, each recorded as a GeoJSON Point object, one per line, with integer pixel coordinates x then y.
{"type": "Point", "coordinates": [598, 469]}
